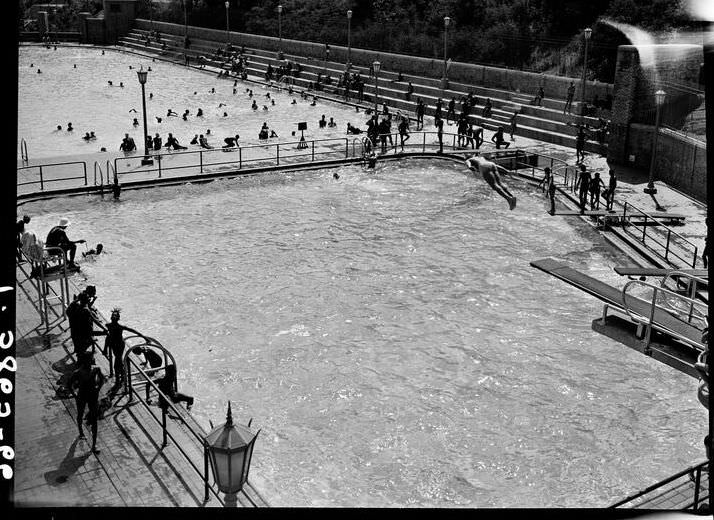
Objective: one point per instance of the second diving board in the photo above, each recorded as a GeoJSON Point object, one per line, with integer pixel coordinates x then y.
{"type": "Point", "coordinates": [645, 271]}
{"type": "Point", "coordinates": [615, 298]}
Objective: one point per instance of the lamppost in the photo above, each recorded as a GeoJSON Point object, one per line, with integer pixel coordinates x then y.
{"type": "Point", "coordinates": [227, 24]}
{"type": "Point", "coordinates": [650, 189]}
{"type": "Point", "coordinates": [444, 80]}
{"type": "Point", "coordinates": [376, 65]}
{"type": "Point", "coordinates": [185, 20]}
{"type": "Point", "coordinates": [230, 448]}
{"type": "Point", "coordinates": [587, 33]}
{"type": "Point", "coordinates": [280, 32]}
{"type": "Point", "coordinates": [142, 74]}
{"type": "Point", "coordinates": [349, 42]}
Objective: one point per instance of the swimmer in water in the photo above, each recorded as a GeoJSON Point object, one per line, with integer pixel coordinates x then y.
{"type": "Point", "coordinates": [59, 128]}
{"type": "Point", "coordinates": [151, 95]}
{"type": "Point", "coordinates": [225, 114]}
{"type": "Point", "coordinates": [194, 140]}
{"type": "Point", "coordinates": [185, 115]}
{"type": "Point", "coordinates": [69, 127]}
{"type": "Point", "coordinates": [489, 171]}
{"type": "Point", "coordinates": [110, 83]}
{"type": "Point", "coordinates": [231, 141]}
{"type": "Point", "coordinates": [234, 91]}
{"type": "Point", "coordinates": [194, 93]}
{"type": "Point", "coordinates": [171, 113]}
{"type": "Point", "coordinates": [39, 71]}
{"type": "Point", "coordinates": [221, 105]}
{"type": "Point", "coordinates": [336, 176]}
{"type": "Point", "coordinates": [121, 84]}
{"type": "Point", "coordinates": [294, 102]}
{"type": "Point", "coordinates": [199, 113]}
{"type": "Point", "coordinates": [273, 134]}
{"type": "Point", "coordinates": [130, 67]}
{"type": "Point", "coordinates": [86, 136]}
{"type": "Point", "coordinates": [254, 106]}
{"type": "Point", "coordinates": [135, 123]}
{"type": "Point", "coordinates": [265, 107]}
{"type": "Point", "coordinates": [208, 132]}
{"type": "Point", "coordinates": [149, 69]}
{"type": "Point", "coordinates": [272, 102]}
{"type": "Point", "coordinates": [74, 66]}
{"type": "Point", "coordinates": [94, 252]}
{"type": "Point", "coordinates": [92, 136]}
{"type": "Point", "coordinates": [158, 119]}
{"type": "Point", "coordinates": [213, 90]}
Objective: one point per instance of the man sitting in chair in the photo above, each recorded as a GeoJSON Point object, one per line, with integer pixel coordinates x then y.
{"type": "Point", "coordinates": [57, 237]}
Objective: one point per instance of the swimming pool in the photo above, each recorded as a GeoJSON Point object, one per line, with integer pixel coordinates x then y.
{"type": "Point", "coordinates": [62, 94]}
{"type": "Point", "coordinates": [386, 332]}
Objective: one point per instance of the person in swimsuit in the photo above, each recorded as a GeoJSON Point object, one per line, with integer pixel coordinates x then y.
{"type": "Point", "coordinates": [115, 343]}
{"type": "Point", "coordinates": [86, 381]}
{"type": "Point", "coordinates": [489, 171]}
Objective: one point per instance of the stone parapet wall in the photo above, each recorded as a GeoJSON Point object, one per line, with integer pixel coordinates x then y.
{"type": "Point", "coordinates": [495, 77]}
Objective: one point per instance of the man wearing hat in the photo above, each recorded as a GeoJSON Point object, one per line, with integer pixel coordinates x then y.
{"type": "Point", "coordinates": [57, 237]}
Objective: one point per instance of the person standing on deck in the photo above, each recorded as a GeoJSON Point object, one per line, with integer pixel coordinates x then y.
{"type": "Point", "coordinates": [420, 114]}
{"type": "Point", "coordinates": [569, 100]}
{"type": "Point", "coordinates": [513, 124]}
{"type": "Point", "coordinates": [610, 192]}
{"type": "Point", "coordinates": [115, 343]}
{"type": "Point", "coordinates": [583, 185]}
{"type": "Point", "coordinates": [86, 381]}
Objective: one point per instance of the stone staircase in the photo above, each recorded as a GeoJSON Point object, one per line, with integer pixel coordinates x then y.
{"type": "Point", "coordinates": [544, 123]}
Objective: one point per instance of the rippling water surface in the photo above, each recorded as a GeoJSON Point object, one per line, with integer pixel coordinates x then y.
{"type": "Point", "coordinates": [388, 335]}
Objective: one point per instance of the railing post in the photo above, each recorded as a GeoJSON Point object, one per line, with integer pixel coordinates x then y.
{"type": "Point", "coordinates": [163, 426]}
{"type": "Point", "coordinates": [84, 164]}
{"type": "Point", "coordinates": [694, 261]}
{"type": "Point", "coordinates": [42, 183]}
{"type": "Point", "coordinates": [158, 160]}
{"type": "Point", "coordinates": [644, 229]}
{"type": "Point", "coordinates": [313, 150]}
{"type": "Point", "coordinates": [666, 248]}
{"type": "Point", "coordinates": [277, 154]}
{"type": "Point", "coordinates": [347, 147]}
{"type": "Point", "coordinates": [624, 214]}
{"type": "Point", "coordinates": [205, 471]}
{"type": "Point", "coordinates": [200, 159]}
{"type": "Point", "coordinates": [240, 158]}
{"type": "Point", "coordinates": [648, 335]}
{"type": "Point", "coordinates": [697, 484]}
{"type": "Point", "coordinates": [423, 142]}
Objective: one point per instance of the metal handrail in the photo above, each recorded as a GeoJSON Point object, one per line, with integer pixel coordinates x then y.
{"type": "Point", "coordinates": [113, 170]}
{"type": "Point", "coordinates": [670, 233]}
{"type": "Point", "coordinates": [696, 470]}
{"type": "Point", "coordinates": [208, 487]}
{"type": "Point", "coordinates": [42, 180]}
{"type": "Point", "coordinates": [692, 283]}
{"type": "Point", "coordinates": [649, 320]}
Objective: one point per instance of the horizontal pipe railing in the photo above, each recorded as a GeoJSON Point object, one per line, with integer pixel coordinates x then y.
{"type": "Point", "coordinates": [670, 233]}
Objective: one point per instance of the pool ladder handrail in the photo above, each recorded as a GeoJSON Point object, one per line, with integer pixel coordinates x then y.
{"type": "Point", "coordinates": [648, 321]}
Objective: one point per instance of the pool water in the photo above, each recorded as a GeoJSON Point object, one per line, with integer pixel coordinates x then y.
{"type": "Point", "coordinates": [389, 337]}
{"type": "Point", "coordinates": [62, 94]}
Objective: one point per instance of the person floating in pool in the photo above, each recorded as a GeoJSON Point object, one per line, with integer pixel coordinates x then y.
{"type": "Point", "coordinates": [135, 122]}
{"type": "Point", "coordinates": [489, 171]}
{"type": "Point", "coordinates": [93, 252]}
{"type": "Point", "coordinates": [171, 113]}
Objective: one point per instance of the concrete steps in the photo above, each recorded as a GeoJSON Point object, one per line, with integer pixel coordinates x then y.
{"type": "Point", "coordinates": [542, 123]}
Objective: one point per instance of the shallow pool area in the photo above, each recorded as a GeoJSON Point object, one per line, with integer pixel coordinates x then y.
{"type": "Point", "coordinates": [82, 96]}
{"type": "Point", "coordinates": [387, 334]}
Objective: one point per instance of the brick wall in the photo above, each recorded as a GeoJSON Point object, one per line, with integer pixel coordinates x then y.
{"type": "Point", "coordinates": [514, 80]}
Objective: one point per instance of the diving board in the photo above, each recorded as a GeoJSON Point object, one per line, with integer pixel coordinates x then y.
{"type": "Point", "coordinates": [646, 271]}
{"type": "Point", "coordinates": [604, 213]}
{"type": "Point", "coordinates": [661, 320]}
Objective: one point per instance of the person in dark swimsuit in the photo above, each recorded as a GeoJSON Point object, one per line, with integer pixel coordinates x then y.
{"type": "Point", "coordinates": [115, 343]}
{"type": "Point", "coordinates": [86, 381]}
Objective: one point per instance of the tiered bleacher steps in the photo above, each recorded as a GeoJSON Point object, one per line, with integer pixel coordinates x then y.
{"type": "Point", "coordinates": [545, 123]}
